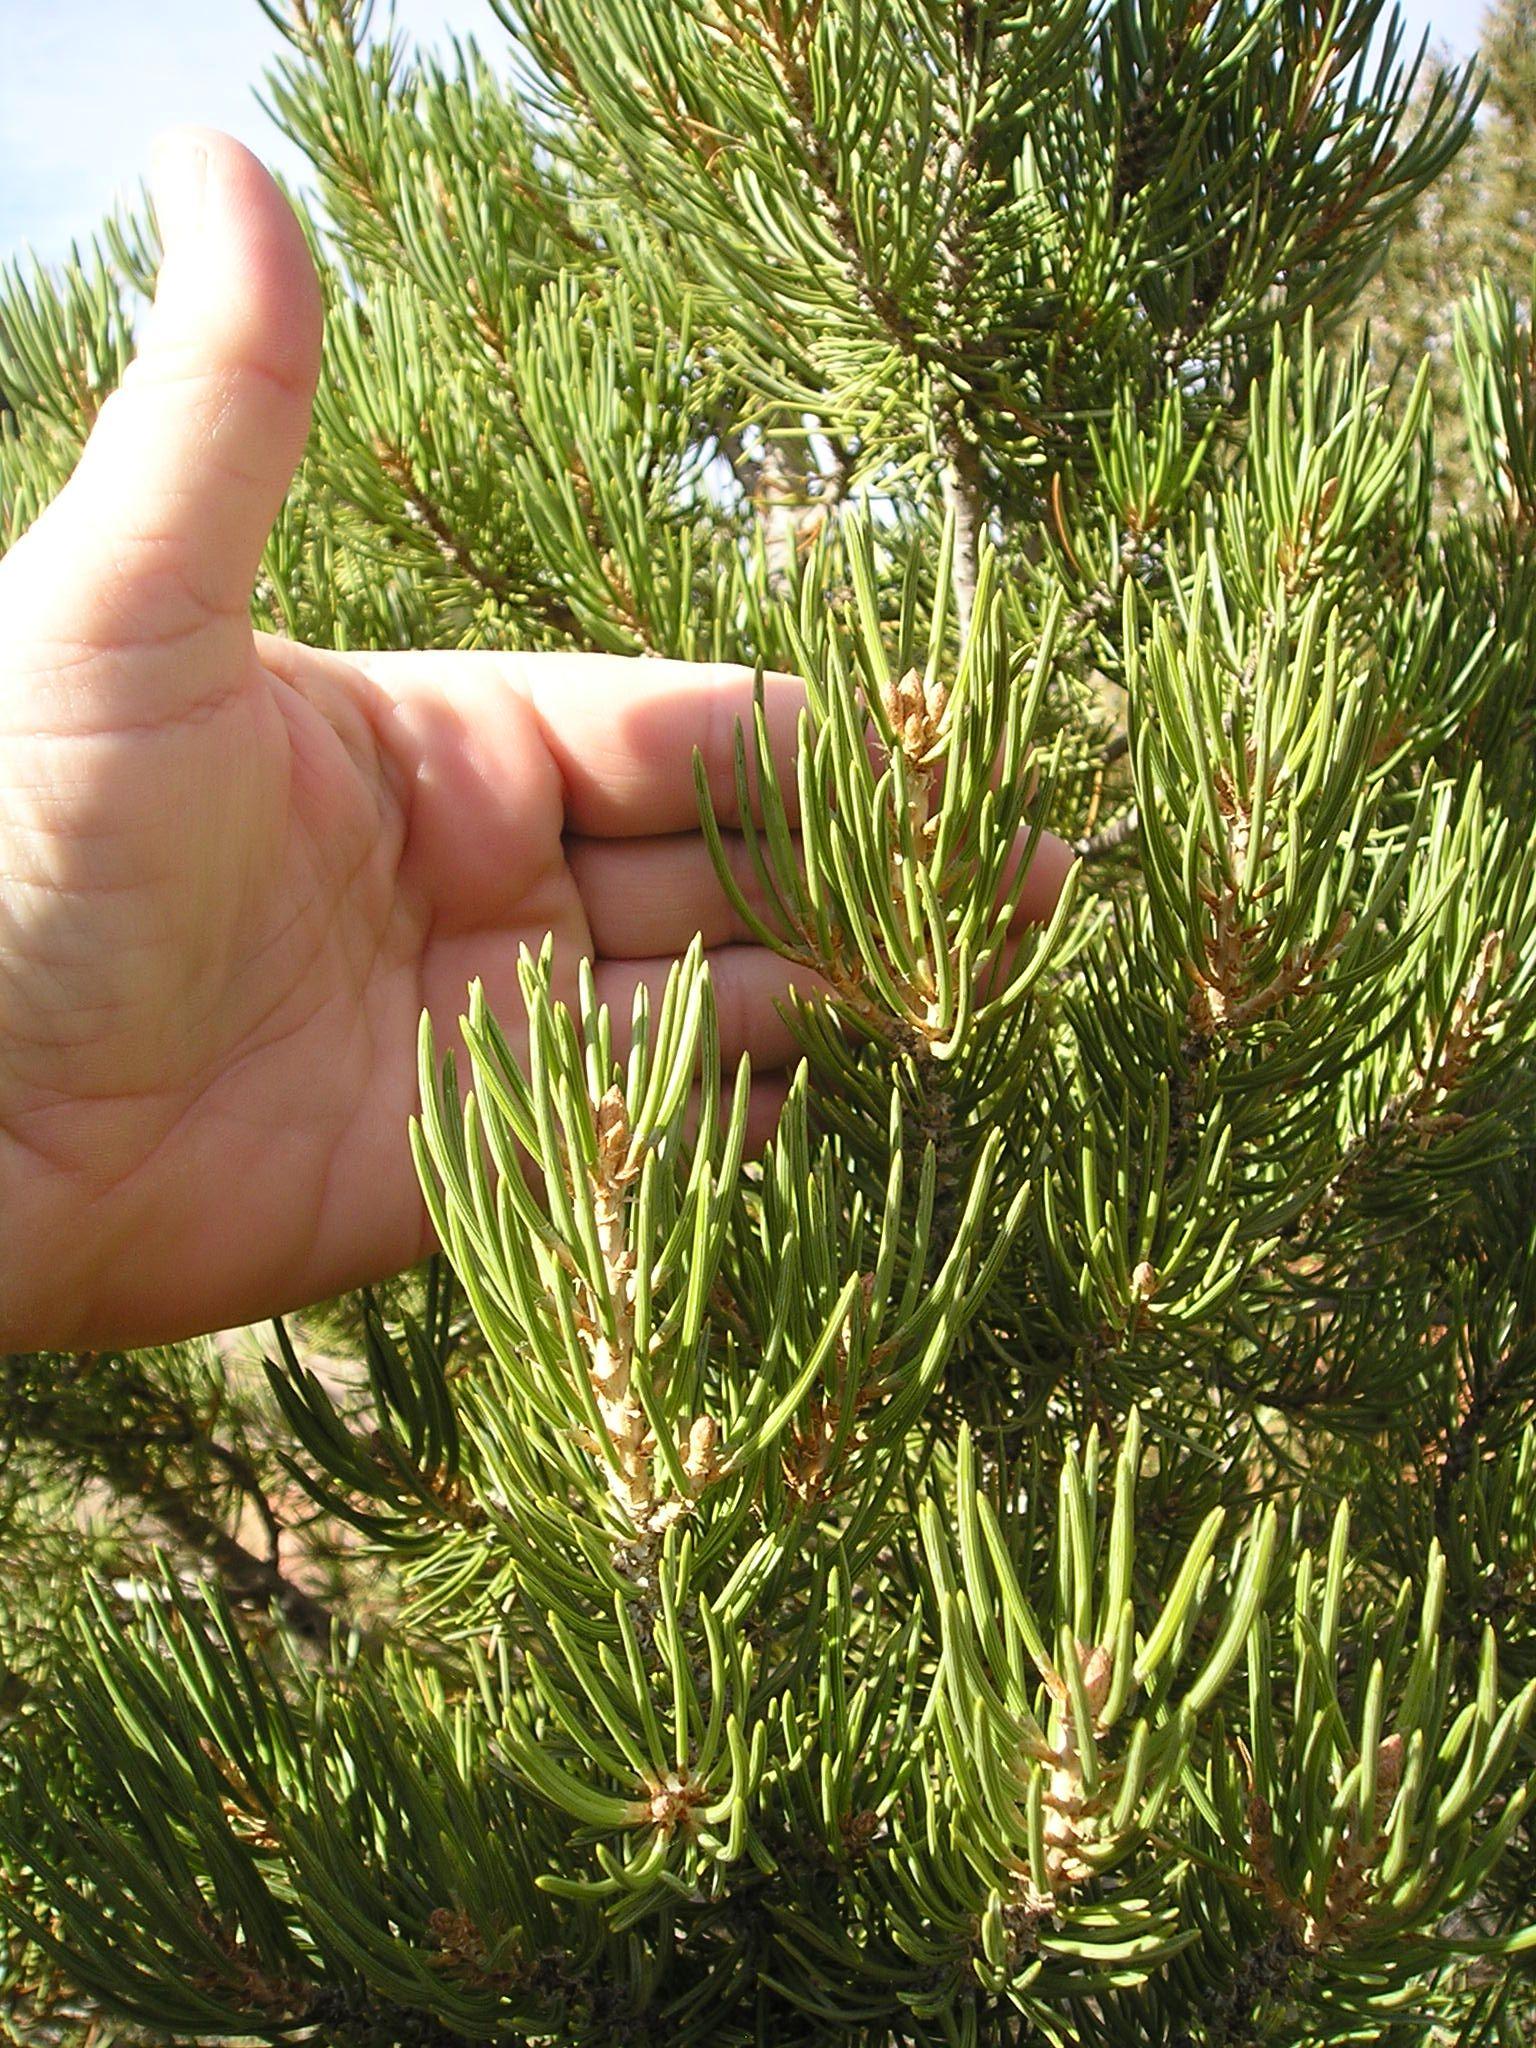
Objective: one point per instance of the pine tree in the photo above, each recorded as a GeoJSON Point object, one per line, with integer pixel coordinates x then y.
{"type": "Point", "coordinates": [1046, 1554]}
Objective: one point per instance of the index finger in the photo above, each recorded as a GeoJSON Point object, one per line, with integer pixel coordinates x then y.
{"type": "Point", "coordinates": [623, 729]}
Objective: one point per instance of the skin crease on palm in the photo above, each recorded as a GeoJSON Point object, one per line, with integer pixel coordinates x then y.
{"type": "Point", "coordinates": [234, 870]}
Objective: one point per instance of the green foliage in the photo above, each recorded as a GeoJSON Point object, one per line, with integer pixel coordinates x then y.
{"type": "Point", "coordinates": [1045, 1553]}
{"type": "Point", "coordinates": [1473, 222]}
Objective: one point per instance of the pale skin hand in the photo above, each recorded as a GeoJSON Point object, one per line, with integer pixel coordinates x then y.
{"type": "Point", "coordinates": [234, 870]}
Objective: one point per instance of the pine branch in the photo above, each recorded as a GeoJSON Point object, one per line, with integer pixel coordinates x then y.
{"type": "Point", "coordinates": [124, 1444]}
{"type": "Point", "coordinates": [789, 59]}
{"type": "Point", "coordinates": [779, 496]}
{"type": "Point", "coordinates": [1114, 835]}
{"type": "Point", "coordinates": [964, 504]}
{"type": "Point", "coordinates": [960, 473]}
{"type": "Point", "coordinates": [251, 1581]}
{"type": "Point", "coordinates": [427, 513]}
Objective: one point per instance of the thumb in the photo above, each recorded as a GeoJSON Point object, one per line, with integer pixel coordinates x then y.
{"type": "Point", "coordinates": [178, 486]}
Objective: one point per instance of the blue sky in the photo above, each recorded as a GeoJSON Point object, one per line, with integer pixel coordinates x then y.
{"type": "Point", "coordinates": [85, 84]}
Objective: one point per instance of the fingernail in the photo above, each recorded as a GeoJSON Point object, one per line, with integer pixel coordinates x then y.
{"type": "Point", "coordinates": [178, 176]}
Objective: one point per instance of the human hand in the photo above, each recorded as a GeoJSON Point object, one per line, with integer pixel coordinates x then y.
{"type": "Point", "coordinates": [234, 870]}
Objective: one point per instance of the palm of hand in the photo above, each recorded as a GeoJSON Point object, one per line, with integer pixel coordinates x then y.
{"type": "Point", "coordinates": [233, 869]}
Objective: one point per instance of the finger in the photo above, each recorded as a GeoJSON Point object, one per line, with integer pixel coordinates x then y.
{"type": "Point", "coordinates": [1040, 891]}
{"type": "Point", "coordinates": [623, 732]}
{"type": "Point", "coordinates": [750, 986]}
{"type": "Point", "coordinates": [765, 1104]}
{"type": "Point", "coordinates": [764, 1108]}
{"type": "Point", "coordinates": [649, 896]}
{"type": "Point", "coordinates": [171, 502]}
{"type": "Point", "coordinates": [1033, 894]}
